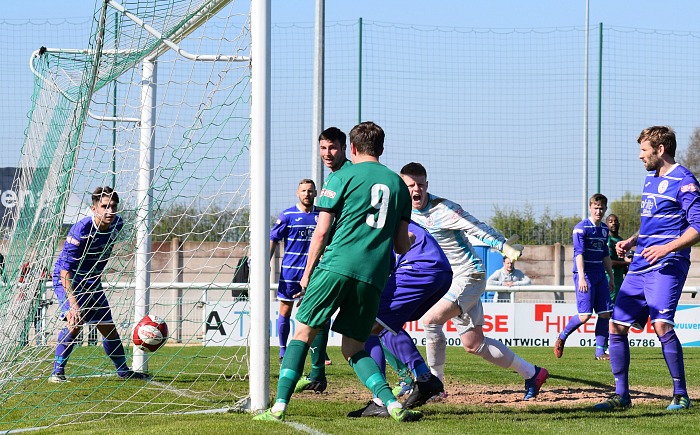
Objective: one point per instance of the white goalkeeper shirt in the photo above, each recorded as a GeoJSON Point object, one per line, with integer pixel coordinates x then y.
{"type": "Point", "coordinates": [450, 225]}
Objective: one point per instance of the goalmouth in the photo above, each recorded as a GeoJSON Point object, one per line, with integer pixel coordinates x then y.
{"type": "Point", "coordinates": [169, 104]}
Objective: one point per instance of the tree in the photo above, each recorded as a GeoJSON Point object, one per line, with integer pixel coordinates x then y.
{"type": "Point", "coordinates": [691, 157]}
{"type": "Point", "coordinates": [545, 230]}
{"type": "Point", "coordinates": [627, 210]}
{"type": "Point", "coordinates": [202, 223]}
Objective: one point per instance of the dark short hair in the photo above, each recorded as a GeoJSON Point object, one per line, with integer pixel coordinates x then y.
{"type": "Point", "coordinates": [368, 138]}
{"type": "Point", "coordinates": [660, 135]}
{"type": "Point", "coordinates": [98, 193]}
{"type": "Point", "coordinates": [598, 197]}
{"type": "Point", "coordinates": [333, 134]}
{"type": "Point", "coordinates": [414, 169]}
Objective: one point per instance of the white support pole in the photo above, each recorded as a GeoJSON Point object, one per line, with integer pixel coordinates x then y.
{"type": "Point", "coordinates": [259, 338]}
{"type": "Point", "coordinates": [584, 212]}
{"type": "Point", "coordinates": [318, 106]}
{"type": "Point", "coordinates": [142, 261]}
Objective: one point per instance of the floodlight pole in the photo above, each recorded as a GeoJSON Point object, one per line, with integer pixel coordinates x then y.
{"type": "Point", "coordinates": [584, 212]}
{"type": "Point", "coordinates": [318, 106]}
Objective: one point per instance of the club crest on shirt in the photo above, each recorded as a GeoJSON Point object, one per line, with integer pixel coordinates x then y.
{"type": "Point", "coordinates": [689, 188]}
{"type": "Point", "coordinates": [429, 221]}
{"type": "Point", "coordinates": [663, 186]}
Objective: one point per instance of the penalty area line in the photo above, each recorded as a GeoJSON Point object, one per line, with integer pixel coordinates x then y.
{"type": "Point", "coordinates": [303, 428]}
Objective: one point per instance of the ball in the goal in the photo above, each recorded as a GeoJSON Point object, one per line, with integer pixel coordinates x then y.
{"type": "Point", "coordinates": [150, 333]}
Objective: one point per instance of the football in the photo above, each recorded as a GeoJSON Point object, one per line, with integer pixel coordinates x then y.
{"type": "Point", "coordinates": [150, 333]}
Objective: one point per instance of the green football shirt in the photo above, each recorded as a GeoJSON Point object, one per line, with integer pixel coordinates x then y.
{"type": "Point", "coordinates": [368, 201]}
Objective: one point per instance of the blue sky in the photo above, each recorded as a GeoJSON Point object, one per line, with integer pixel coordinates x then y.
{"type": "Point", "coordinates": [492, 14]}
{"type": "Point", "coordinates": [643, 14]}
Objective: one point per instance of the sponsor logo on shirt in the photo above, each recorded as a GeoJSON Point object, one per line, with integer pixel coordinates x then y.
{"type": "Point", "coordinates": [647, 206]}
{"type": "Point", "coordinates": [328, 193]}
{"type": "Point", "coordinates": [663, 186]}
{"type": "Point", "coordinates": [73, 241]}
{"type": "Point", "coordinates": [297, 219]}
{"type": "Point", "coordinates": [689, 188]}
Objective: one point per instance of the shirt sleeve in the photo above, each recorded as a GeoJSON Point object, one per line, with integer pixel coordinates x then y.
{"type": "Point", "coordinates": [522, 278]}
{"type": "Point", "coordinates": [331, 194]}
{"type": "Point", "coordinates": [453, 217]}
{"type": "Point", "coordinates": [74, 246]}
{"type": "Point", "coordinates": [495, 278]}
{"type": "Point", "coordinates": [578, 238]}
{"type": "Point", "coordinates": [688, 197]}
{"type": "Point", "coordinates": [279, 231]}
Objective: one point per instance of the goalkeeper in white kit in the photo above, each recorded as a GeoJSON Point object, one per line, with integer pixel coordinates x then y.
{"type": "Point", "coordinates": [450, 225]}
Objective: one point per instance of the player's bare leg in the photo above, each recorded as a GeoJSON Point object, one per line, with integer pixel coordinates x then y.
{"type": "Point", "coordinates": [499, 354]}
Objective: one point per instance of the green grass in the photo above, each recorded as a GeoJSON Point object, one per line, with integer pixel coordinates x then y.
{"type": "Point", "coordinates": [576, 373]}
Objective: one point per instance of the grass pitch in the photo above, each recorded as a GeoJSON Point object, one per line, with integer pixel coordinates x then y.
{"type": "Point", "coordinates": [482, 399]}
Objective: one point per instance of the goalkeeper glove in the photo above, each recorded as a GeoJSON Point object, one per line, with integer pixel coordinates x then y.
{"type": "Point", "coordinates": [511, 249]}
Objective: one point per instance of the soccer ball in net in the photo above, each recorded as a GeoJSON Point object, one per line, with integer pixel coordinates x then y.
{"type": "Point", "coordinates": [150, 333]}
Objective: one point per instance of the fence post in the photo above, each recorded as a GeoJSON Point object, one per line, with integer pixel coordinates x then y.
{"type": "Point", "coordinates": [558, 272]}
{"type": "Point", "coordinates": [178, 263]}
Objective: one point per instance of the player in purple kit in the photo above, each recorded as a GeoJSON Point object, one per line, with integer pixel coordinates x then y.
{"type": "Point", "coordinates": [419, 279]}
{"type": "Point", "coordinates": [669, 226]}
{"type": "Point", "coordinates": [591, 262]}
{"type": "Point", "coordinates": [77, 282]}
{"type": "Point", "coordinates": [295, 226]}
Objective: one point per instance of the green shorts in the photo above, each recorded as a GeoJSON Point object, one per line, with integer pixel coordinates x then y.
{"type": "Point", "coordinates": [357, 301]}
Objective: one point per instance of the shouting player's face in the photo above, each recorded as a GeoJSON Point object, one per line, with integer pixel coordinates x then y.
{"type": "Point", "coordinates": [418, 188]}
{"type": "Point", "coordinates": [306, 194]}
{"type": "Point", "coordinates": [650, 156]}
{"type": "Point", "coordinates": [332, 154]}
{"type": "Point", "coordinates": [105, 212]}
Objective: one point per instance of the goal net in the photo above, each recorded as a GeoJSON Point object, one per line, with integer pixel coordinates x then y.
{"type": "Point", "coordinates": [157, 105]}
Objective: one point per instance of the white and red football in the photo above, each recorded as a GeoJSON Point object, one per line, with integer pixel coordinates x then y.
{"type": "Point", "coordinates": [150, 333]}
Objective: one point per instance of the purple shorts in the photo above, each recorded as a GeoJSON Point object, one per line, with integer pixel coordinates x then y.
{"type": "Point", "coordinates": [93, 304]}
{"type": "Point", "coordinates": [286, 291]}
{"type": "Point", "coordinates": [598, 296]}
{"type": "Point", "coordinates": [410, 298]}
{"type": "Point", "coordinates": [654, 293]}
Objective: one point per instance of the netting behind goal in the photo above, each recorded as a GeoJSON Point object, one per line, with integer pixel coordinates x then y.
{"type": "Point", "coordinates": [87, 130]}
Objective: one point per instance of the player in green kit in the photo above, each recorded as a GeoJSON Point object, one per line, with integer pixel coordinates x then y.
{"type": "Point", "coordinates": [367, 208]}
